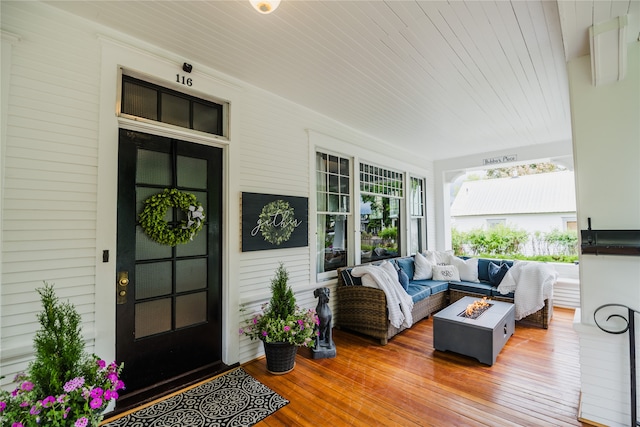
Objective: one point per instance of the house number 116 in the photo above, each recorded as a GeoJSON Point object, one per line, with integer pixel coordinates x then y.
{"type": "Point", "coordinates": [185, 81]}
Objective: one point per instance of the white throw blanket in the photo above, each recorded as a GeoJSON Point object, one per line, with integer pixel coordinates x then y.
{"type": "Point", "coordinates": [532, 283]}
{"type": "Point", "coordinates": [399, 302]}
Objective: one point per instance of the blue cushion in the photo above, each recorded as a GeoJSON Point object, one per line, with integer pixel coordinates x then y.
{"type": "Point", "coordinates": [438, 286]}
{"type": "Point", "coordinates": [406, 264]}
{"type": "Point", "coordinates": [497, 272]}
{"type": "Point", "coordinates": [418, 292]}
{"type": "Point", "coordinates": [403, 279]}
{"type": "Point", "coordinates": [435, 285]}
{"type": "Point", "coordinates": [483, 269]}
{"type": "Point", "coordinates": [476, 288]}
{"type": "Point", "coordinates": [349, 280]}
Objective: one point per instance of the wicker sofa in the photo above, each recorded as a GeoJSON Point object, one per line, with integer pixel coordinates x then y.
{"type": "Point", "coordinates": [364, 309]}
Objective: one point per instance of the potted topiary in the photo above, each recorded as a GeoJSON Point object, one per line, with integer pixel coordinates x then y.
{"type": "Point", "coordinates": [281, 325]}
{"type": "Point", "coordinates": [63, 386]}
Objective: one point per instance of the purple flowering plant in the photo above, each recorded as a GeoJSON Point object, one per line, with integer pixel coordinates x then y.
{"type": "Point", "coordinates": [63, 385]}
{"type": "Point", "coordinates": [297, 328]}
{"type": "Point", "coordinates": [280, 319]}
{"type": "Point", "coordinates": [80, 403]}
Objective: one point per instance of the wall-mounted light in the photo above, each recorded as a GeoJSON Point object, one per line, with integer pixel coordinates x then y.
{"type": "Point", "coordinates": [265, 6]}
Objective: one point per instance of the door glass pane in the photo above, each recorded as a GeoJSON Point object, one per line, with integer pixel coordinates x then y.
{"type": "Point", "coordinates": [153, 167]}
{"type": "Point", "coordinates": [175, 110]}
{"type": "Point", "coordinates": [191, 274]}
{"type": "Point", "coordinates": [197, 246]}
{"type": "Point", "coordinates": [140, 101]}
{"type": "Point", "coordinates": [148, 249]}
{"type": "Point", "coordinates": [191, 309]}
{"type": "Point", "coordinates": [206, 118]}
{"type": "Point", "coordinates": [153, 280]}
{"type": "Point", "coordinates": [153, 317]}
{"type": "Point", "coordinates": [192, 172]}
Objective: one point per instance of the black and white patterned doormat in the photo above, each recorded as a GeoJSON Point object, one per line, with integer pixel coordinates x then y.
{"type": "Point", "coordinates": [233, 399]}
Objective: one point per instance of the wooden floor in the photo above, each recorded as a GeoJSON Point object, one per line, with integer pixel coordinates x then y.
{"type": "Point", "coordinates": [534, 382]}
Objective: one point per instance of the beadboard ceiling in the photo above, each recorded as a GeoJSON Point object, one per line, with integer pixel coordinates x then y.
{"type": "Point", "coordinates": [441, 79]}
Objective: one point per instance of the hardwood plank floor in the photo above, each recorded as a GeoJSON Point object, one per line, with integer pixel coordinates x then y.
{"type": "Point", "coordinates": [534, 382]}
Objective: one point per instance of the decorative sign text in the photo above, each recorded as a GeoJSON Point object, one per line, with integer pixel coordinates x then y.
{"type": "Point", "coordinates": [273, 222]}
{"type": "Point", "coordinates": [501, 159]}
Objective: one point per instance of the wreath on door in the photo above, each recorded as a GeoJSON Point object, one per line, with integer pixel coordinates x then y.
{"type": "Point", "coordinates": [152, 220]}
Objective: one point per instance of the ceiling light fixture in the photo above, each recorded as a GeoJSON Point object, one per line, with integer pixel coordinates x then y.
{"type": "Point", "coordinates": [265, 6]}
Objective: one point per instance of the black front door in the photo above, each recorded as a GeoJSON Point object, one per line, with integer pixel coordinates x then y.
{"type": "Point", "coordinates": [169, 318]}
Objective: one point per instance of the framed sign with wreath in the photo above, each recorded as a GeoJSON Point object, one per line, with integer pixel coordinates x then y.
{"type": "Point", "coordinates": [273, 222]}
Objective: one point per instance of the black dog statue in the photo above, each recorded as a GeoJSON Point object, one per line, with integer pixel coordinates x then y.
{"type": "Point", "coordinates": [324, 347]}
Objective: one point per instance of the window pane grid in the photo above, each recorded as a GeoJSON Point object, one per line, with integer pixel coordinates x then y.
{"type": "Point", "coordinates": [377, 180]}
{"type": "Point", "coordinates": [332, 180]}
{"type": "Point", "coordinates": [143, 99]}
{"type": "Point", "coordinates": [417, 197]}
{"type": "Point", "coordinates": [333, 195]}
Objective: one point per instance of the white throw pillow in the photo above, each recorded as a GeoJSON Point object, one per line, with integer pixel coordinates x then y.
{"type": "Point", "coordinates": [438, 257]}
{"type": "Point", "coordinates": [391, 271]}
{"type": "Point", "coordinates": [468, 268]}
{"type": "Point", "coordinates": [448, 273]}
{"type": "Point", "coordinates": [422, 268]}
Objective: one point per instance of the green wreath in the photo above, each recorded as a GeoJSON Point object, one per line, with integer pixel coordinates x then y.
{"type": "Point", "coordinates": [276, 221]}
{"type": "Point", "coordinates": [152, 221]}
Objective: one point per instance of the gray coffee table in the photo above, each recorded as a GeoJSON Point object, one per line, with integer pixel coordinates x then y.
{"type": "Point", "coordinates": [481, 338]}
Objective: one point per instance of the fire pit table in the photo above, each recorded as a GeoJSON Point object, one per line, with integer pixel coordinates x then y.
{"type": "Point", "coordinates": [481, 335]}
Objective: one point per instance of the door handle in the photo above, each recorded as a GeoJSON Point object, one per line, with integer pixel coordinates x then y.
{"type": "Point", "coordinates": [122, 287]}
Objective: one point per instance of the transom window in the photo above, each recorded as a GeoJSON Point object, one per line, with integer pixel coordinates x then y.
{"type": "Point", "coordinates": [376, 180]}
{"type": "Point", "coordinates": [153, 102]}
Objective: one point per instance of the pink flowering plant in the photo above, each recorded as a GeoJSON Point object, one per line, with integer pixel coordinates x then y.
{"type": "Point", "coordinates": [63, 386]}
{"type": "Point", "coordinates": [281, 320]}
{"type": "Point", "coordinates": [81, 402]}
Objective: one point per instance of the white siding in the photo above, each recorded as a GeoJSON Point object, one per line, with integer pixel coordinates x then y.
{"type": "Point", "coordinates": [49, 176]}
{"type": "Point", "coordinates": [605, 389]}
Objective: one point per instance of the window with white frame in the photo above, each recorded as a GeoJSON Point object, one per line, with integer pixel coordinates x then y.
{"type": "Point", "coordinates": [570, 223]}
{"type": "Point", "coordinates": [381, 194]}
{"type": "Point", "coordinates": [417, 215]}
{"type": "Point", "coordinates": [333, 193]}
{"type": "Point", "coordinates": [494, 222]}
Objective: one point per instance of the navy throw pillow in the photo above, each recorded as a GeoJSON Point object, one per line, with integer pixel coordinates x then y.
{"type": "Point", "coordinates": [403, 279]}
{"type": "Point", "coordinates": [497, 272]}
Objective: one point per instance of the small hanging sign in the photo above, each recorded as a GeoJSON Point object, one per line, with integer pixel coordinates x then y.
{"type": "Point", "coordinates": [500, 159]}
